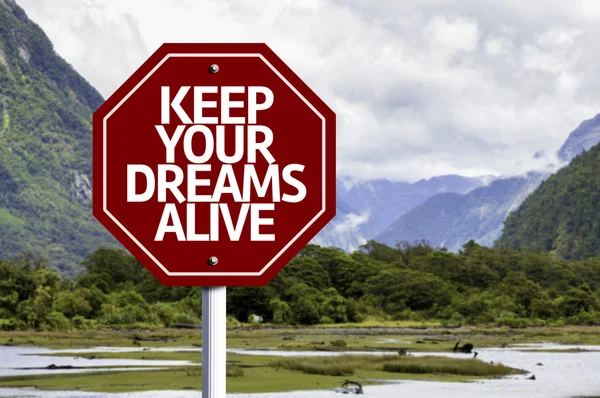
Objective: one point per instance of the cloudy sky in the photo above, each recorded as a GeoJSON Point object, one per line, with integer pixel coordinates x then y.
{"type": "Point", "coordinates": [420, 88]}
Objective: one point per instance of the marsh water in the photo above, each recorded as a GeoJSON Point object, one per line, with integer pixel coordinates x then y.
{"type": "Point", "coordinates": [574, 372]}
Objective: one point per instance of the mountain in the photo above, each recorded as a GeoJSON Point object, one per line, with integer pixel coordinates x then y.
{"type": "Point", "coordinates": [562, 215]}
{"type": "Point", "coordinates": [581, 139]}
{"type": "Point", "coordinates": [450, 220]}
{"type": "Point", "coordinates": [365, 208]}
{"type": "Point", "coordinates": [45, 160]}
{"type": "Point", "coordinates": [384, 201]}
{"type": "Point", "coordinates": [45, 148]}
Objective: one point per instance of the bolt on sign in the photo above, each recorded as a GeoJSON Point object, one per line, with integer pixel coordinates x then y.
{"type": "Point", "coordinates": [214, 164]}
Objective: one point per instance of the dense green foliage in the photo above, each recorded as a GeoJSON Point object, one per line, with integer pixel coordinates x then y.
{"type": "Point", "coordinates": [478, 285]}
{"type": "Point", "coordinates": [45, 148]}
{"type": "Point", "coordinates": [561, 216]}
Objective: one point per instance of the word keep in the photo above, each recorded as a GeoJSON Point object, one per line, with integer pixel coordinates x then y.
{"type": "Point", "coordinates": [182, 177]}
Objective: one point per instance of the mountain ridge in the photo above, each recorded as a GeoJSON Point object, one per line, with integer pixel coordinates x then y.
{"type": "Point", "coordinates": [561, 216]}
{"type": "Point", "coordinates": [583, 138]}
{"type": "Point", "coordinates": [450, 219]}
{"type": "Point", "coordinates": [366, 207]}
{"type": "Point", "coordinates": [465, 224]}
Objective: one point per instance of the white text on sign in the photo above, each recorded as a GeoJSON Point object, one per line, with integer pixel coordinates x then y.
{"type": "Point", "coordinates": [252, 141]}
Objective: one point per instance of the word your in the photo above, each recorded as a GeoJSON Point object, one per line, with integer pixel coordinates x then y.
{"type": "Point", "coordinates": [238, 178]}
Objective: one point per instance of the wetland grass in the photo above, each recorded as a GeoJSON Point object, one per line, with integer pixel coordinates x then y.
{"type": "Point", "coordinates": [348, 365]}
{"type": "Point", "coordinates": [443, 365]}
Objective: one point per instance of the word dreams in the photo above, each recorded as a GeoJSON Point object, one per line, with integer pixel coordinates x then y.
{"type": "Point", "coordinates": [251, 141]}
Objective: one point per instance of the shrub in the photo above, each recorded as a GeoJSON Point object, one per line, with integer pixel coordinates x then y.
{"type": "Point", "coordinates": [234, 371]}
{"type": "Point", "coordinates": [233, 322]}
{"type": "Point", "coordinates": [131, 297]}
{"type": "Point", "coordinates": [113, 315]}
{"type": "Point", "coordinates": [9, 326]}
{"type": "Point", "coordinates": [194, 371]}
{"type": "Point", "coordinates": [57, 321]}
{"type": "Point", "coordinates": [457, 319]}
{"type": "Point", "coordinates": [187, 318]}
{"type": "Point", "coordinates": [72, 304]}
{"type": "Point", "coordinates": [165, 312]}
{"type": "Point", "coordinates": [82, 323]}
{"type": "Point", "coordinates": [338, 343]}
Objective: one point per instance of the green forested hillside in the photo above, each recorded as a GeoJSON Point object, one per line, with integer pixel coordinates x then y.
{"type": "Point", "coordinates": [45, 148]}
{"type": "Point", "coordinates": [562, 216]}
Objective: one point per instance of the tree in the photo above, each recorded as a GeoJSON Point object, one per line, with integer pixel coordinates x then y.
{"type": "Point", "coordinates": [576, 300]}
{"type": "Point", "coordinates": [334, 306]}
{"type": "Point", "coordinates": [306, 311]}
{"type": "Point", "coordinates": [422, 292]}
{"type": "Point", "coordinates": [34, 310]}
{"type": "Point", "coordinates": [109, 268]}
{"type": "Point", "coordinates": [309, 271]}
{"type": "Point", "coordinates": [243, 301]}
{"type": "Point", "coordinates": [380, 252]}
{"type": "Point", "coordinates": [71, 304]}
{"type": "Point", "coordinates": [282, 313]}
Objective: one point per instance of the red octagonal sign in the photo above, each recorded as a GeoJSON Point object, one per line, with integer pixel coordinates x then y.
{"type": "Point", "coordinates": [214, 164]}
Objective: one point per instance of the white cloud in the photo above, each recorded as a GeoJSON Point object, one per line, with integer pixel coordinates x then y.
{"type": "Point", "coordinates": [343, 231]}
{"type": "Point", "coordinates": [452, 34]}
{"type": "Point", "coordinates": [421, 88]}
{"type": "Point", "coordinates": [499, 45]}
{"type": "Point", "coordinates": [350, 222]}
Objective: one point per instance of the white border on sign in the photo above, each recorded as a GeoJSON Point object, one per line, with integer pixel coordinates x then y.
{"type": "Point", "coordinates": [291, 242]}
